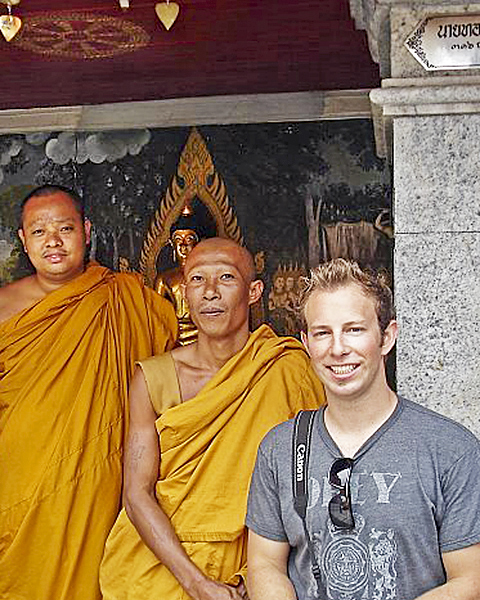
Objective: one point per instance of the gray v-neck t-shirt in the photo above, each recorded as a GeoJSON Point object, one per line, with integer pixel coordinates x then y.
{"type": "Point", "coordinates": [415, 491]}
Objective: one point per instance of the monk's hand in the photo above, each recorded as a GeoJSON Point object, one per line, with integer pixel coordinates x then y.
{"type": "Point", "coordinates": [214, 590]}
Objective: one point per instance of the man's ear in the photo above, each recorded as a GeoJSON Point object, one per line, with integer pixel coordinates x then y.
{"type": "Point", "coordinates": [87, 224]}
{"type": "Point", "coordinates": [389, 337]}
{"type": "Point", "coordinates": [21, 235]}
{"type": "Point", "coordinates": [255, 292]}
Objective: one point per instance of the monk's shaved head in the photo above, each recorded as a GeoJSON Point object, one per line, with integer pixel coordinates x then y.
{"type": "Point", "coordinates": [210, 249]}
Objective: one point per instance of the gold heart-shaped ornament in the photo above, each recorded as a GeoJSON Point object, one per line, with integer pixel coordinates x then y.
{"type": "Point", "coordinates": [167, 12]}
{"type": "Point", "coordinates": [9, 26]}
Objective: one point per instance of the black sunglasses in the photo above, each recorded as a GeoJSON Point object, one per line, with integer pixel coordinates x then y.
{"type": "Point", "coordinates": [340, 506]}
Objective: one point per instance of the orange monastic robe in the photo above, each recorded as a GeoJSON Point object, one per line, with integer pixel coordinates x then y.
{"type": "Point", "coordinates": [208, 449]}
{"type": "Point", "coordinates": [65, 363]}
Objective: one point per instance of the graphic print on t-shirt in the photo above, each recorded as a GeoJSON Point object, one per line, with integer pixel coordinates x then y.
{"type": "Point", "coordinates": [357, 564]}
{"type": "Point", "coordinates": [353, 570]}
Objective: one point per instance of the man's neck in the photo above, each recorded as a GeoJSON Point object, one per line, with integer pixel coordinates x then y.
{"type": "Point", "coordinates": [215, 352]}
{"type": "Point", "coordinates": [197, 363]}
{"type": "Point", "coordinates": [351, 422]}
{"type": "Point", "coordinates": [47, 286]}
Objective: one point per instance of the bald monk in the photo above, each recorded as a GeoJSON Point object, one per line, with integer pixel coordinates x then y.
{"type": "Point", "coordinates": [69, 336]}
{"type": "Point", "coordinates": [197, 415]}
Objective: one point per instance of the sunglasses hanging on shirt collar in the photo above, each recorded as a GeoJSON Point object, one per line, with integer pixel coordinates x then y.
{"type": "Point", "coordinates": [340, 506]}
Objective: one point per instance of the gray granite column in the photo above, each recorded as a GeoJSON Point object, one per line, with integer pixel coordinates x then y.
{"type": "Point", "coordinates": [430, 122]}
{"type": "Point", "coordinates": [437, 244]}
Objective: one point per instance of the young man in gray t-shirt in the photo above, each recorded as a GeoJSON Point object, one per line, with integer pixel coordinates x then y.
{"type": "Point", "coordinates": [393, 488]}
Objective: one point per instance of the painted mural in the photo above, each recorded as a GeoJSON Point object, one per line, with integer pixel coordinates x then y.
{"type": "Point", "coordinates": [295, 194]}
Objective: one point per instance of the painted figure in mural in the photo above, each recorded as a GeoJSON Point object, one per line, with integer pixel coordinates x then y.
{"type": "Point", "coordinates": [277, 298]}
{"type": "Point", "coordinates": [290, 289]}
{"type": "Point", "coordinates": [393, 488]}
{"type": "Point", "coordinates": [283, 299]}
{"type": "Point", "coordinates": [197, 416]}
{"type": "Point", "coordinates": [69, 336]}
{"type": "Point", "coordinates": [169, 283]}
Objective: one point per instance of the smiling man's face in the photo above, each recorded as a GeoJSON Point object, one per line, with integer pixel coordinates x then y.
{"type": "Point", "coordinates": [345, 342]}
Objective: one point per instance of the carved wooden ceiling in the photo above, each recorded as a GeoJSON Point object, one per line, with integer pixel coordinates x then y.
{"type": "Point", "coordinates": [93, 52]}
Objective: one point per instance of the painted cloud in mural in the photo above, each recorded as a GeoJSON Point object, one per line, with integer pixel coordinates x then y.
{"type": "Point", "coordinates": [36, 139]}
{"type": "Point", "coordinates": [96, 147]}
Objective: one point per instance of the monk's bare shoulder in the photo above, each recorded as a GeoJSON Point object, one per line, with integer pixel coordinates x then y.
{"type": "Point", "coordinates": [19, 295]}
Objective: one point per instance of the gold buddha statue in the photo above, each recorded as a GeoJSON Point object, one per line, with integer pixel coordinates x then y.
{"type": "Point", "coordinates": [169, 283]}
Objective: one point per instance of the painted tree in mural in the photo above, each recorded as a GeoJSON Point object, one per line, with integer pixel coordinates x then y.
{"type": "Point", "coordinates": [9, 245]}
{"type": "Point", "coordinates": [264, 170]}
{"type": "Point", "coordinates": [11, 156]}
{"type": "Point", "coordinates": [12, 160]}
{"type": "Point", "coordinates": [127, 194]}
{"type": "Point", "coordinates": [303, 176]}
{"type": "Point", "coordinates": [342, 203]}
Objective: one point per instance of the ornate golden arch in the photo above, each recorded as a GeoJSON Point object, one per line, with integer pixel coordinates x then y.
{"type": "Point", "coordinates": [195, 177]}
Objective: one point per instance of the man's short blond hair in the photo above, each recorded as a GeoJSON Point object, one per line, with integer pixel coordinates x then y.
{"type": "Point", "coordinates": [339, 272]}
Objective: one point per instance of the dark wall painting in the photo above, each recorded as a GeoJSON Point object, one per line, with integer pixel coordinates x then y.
{"type": "Point", "coordinates": [294, 193]}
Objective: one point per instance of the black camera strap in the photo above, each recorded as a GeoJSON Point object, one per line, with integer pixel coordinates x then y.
{"type": "Point", "coordinates": [301, 441]}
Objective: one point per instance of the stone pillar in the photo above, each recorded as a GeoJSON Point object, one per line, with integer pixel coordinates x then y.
{"type": "Point", "coordinates": [430, 122]}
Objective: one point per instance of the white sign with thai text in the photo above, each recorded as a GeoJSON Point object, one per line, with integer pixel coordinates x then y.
{"type": "Point", "coordinates": [447, 42]}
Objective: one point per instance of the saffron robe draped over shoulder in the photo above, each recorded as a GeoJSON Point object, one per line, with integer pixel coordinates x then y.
{"type": "Point", "coordinates": [208, 449]}
{"type": "Point", "coordinates": [65, 363]}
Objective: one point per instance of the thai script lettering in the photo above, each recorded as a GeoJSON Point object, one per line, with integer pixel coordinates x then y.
{"type": "Point", "coordinates": [457, 30]}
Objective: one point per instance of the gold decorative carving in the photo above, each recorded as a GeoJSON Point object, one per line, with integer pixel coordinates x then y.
{"type": "Point", "coordinates": [81, 36]}
{"type": "Point", "coordinates": [196, 177]}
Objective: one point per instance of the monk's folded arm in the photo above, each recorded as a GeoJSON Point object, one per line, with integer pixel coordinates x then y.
{"type": "Point", "coordinates": [267, 577]}
{"type": "Point", "coordinates": [142, 460]}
